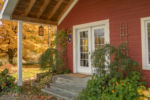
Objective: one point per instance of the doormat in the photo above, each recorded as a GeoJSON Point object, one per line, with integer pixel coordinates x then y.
{"type": "Point", "coordinates": [79, 75]}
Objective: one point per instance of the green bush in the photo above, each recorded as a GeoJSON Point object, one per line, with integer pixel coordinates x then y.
{"type": "Point", "coordinates": [6, 81]}
{"type": "Point", "coordinates": [100, 88]}
{"type": "Point", "coordinates": [51, 59]}
{"type": "Point", "coordinates": [119, 66]}
{"type": "Point", "coordinates": [54, 59]}
{"type": "Point", "coordinates": [117, 79]}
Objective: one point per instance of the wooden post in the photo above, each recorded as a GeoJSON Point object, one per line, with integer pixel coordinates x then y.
{"type": "Point", "coordinates": [19, 54]}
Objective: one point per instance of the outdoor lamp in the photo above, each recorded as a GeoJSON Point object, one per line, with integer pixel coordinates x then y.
{"type": "Point", "coordinates": [41, 30]}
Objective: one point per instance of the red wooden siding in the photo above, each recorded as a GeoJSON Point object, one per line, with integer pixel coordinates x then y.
{"type": "Point", "coordinates": [117, 11]}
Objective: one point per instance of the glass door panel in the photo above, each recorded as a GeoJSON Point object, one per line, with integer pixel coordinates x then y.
{"type": "Point", "coordinates": [98, 37]}
{"type": "Point", "coordinates": [84, 49]}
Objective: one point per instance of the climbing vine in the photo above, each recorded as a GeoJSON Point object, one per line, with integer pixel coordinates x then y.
{"type": "Point", "coordinates": [53, 58]}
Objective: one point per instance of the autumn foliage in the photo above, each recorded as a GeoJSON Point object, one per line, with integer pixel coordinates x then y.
{"type": "Point", "coordinates": [33, 44]}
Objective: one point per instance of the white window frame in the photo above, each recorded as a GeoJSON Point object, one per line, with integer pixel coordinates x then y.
{"type": "Point", "coordinates": [144, 42]}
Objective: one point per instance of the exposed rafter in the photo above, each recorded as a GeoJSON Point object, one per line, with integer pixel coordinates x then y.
{"type": "Point", "coordinates": [38, 11]}
{"type": "Point", "coordinates": [28, 9]}
{"type": "Point", "coordinates": [55, 9]}
{"type": "Point", "coordinates": [43, 7]}
{"type": "Point", "coordinates": [66, 8]}
{"type": "Point", "coordinates": [36, 20]}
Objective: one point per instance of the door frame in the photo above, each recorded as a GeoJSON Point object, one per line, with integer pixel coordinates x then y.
{"type": "Point", "coordinates": [86, 25]}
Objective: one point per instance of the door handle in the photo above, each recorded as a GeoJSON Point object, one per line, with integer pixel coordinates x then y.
{"type": "Point", "coordinates": [89, 53]}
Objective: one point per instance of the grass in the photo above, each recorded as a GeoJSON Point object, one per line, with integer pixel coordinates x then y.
{"type": "Point", "coordinates": [29, 73]}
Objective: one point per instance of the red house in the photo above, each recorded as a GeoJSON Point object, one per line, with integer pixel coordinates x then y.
{"type": "Point", "coordinates": [90, 20]}
{"type": "Point", "coordinates": [94, 23]}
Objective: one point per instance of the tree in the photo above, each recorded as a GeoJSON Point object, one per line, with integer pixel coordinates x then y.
{"type": "Point", "coordinates": [33, 44]}
{"type": "Point", "coordinates": [8, 40]}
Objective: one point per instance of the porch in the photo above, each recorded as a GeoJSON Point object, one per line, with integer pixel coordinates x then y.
{"type": "Point", "coordinates": [50, 12]}
{"type": "Point", "coordinates": [68, 86]}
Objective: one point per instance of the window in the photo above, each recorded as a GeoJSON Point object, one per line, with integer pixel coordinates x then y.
{"type": "Point", "coordinates": [145, 37]}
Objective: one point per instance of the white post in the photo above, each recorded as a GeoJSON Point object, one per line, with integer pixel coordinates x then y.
{"type": "Point", "coordinates": [19, 54]}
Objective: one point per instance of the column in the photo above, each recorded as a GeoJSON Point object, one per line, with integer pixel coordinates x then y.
{"type": "Point", "coordinates": [19, 54]}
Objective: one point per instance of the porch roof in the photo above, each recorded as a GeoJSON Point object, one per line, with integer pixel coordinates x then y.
{"type": "Point", "coordinates": [37, 11]}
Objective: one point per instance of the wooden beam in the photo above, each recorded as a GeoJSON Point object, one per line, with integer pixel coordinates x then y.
{"type": "Point", "coordinates": [33, 20]}
{"type": "Point", "coordinates": [66, 8]}
{"type": "Point", "coordinates": [50, 15]}
{"type": "Point", "coordinates": [27, 11]}
{"type": "Point", "coordinates": [43, 7]}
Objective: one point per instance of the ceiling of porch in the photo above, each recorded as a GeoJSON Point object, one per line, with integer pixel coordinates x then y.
{"type": "Point", "coordinates": [41, 11]}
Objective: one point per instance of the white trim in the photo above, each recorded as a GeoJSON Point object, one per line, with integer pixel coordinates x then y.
{"type": "Point", "coordinates": [19, 54]}
{"type": "Point", "coordinates": [91, 24]}
{"type": "Point", "coordinates": [144, 42]}
{"type": "Point", "coordinates": [3, 9]}
{"type": "Point", "coordinates": [8, 9]}
{"type": "Point", "coordinates": [67, 12]}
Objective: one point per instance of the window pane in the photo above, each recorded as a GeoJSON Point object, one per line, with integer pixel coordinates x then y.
{"type": "Point", "coordinates": [84, 49]}
{"type": "Point", "coordinates": [99, 38]}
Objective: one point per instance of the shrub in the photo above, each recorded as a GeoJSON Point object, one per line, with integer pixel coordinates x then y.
{"type": "Point", "coordinates": [54, 59]}
{"type": "Point", "coordinates": [118, 79]}
{"type": "Point", "coordinates": [51, 60]}
{"type": "Point", "coordinates": [100, 88]}
{"type": "Point", "coordinates": [6, 81]}
{"type": "Point", "coordinates": [120, 64]}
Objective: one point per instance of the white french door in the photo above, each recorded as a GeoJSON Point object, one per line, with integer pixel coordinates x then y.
{"type": "Point", "coordinates": [84, 48]}
{"type": "Point", "coordinates": [89, 39]}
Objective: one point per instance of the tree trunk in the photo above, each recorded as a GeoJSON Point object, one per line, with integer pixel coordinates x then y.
{"type": "Point", "coordinates": [10, 59]}
{"type": "Point", "coordinates": [10, 56]}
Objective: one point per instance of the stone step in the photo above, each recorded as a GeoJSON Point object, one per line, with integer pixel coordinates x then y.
{"type": "Point", "coordinates": [60, 94]}
{"type": "Point", "coordinates": [64, 79]}
{"type": "Point", "coordinates": [68, 88]}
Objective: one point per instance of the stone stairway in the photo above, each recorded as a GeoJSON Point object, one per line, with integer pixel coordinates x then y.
{"type": "Point", "coordinates": [66, 87]}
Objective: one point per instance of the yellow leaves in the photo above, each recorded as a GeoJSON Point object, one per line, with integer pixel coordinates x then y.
{"type": "Point", "coordinates": [140, 91]}
{"type": "Point", "coordinates": [3, 85]}
{"type": "Point", "coordinates": [113, 91]}
{"type": "Point", "coordinates": [144, 93]}
{"type": "Point", "coordinates": [143, 98]}
{"type": "Point", "coordinates": [1, 4]}
{"type": "Point", "coordinates": [116, 83]}
{"type": "Point", "coordinates": [32, 42]}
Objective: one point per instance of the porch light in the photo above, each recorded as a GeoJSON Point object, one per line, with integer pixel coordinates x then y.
{"type": "Point", "coordinates": [41, 30]}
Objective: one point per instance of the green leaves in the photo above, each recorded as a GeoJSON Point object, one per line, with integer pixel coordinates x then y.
{"type": "Point", "coordinates": [4, 72]}
{"type": "Point", "coordinates": [61, 39]}
{"type": "Point", "coordinates": [6, 81]}
{"type": "Point", "coordinates": [115, 59]}
{"type": "Point", "coordinates": [53, 59]}
{"type": "Point", "coordinates": [121, 79]}
{"type": "Point", "coordinates": [104, 88]}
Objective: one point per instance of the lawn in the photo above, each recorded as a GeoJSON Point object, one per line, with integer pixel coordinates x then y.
{"type": "Point", "coordinates": [29, 73]}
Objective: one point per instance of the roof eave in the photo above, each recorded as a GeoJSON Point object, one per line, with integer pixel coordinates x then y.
{"type": "Point", "coordinates": [8, 9]}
